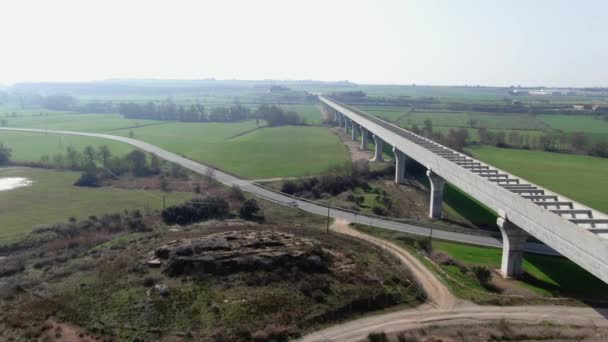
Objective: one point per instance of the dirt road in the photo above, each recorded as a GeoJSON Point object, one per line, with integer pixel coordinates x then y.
{"type": "Point", "coordinates": [443, 308]}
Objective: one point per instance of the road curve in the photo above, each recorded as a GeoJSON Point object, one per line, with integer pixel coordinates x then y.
{"type": "Point", "coordinates": [259, 191]}
{"type": "Point", "coordinates": [359, 329]}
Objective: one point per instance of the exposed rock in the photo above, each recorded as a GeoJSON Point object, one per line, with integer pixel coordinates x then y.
{"type": "Point", "coordinates": [154, 262]}
{"type": "Point", "coordinates": [240, 251]}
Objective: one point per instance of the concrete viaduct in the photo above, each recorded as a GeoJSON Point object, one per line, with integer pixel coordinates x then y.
{"type": "Point", "coordinates": [577, 232]}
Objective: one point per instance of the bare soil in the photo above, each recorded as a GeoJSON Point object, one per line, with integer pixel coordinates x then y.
{"type": "Point", "coordinates": [354, 147]}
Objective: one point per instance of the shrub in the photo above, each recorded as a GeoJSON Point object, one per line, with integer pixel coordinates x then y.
{"type": "Point", "coordinates": [289, 187]}
{"type": "Point", "coordinates": [249, 210]}
{"type": "Point", "coordinates": [88, 179]}
{"type": "Point", "coordinates": [377, 337]}
{"type": "Point", "coordinates": [236, 193]}
{"type": "Point", "coordinates": [198, 209]}
{"type": "Point", "coordinates": [483, 274]}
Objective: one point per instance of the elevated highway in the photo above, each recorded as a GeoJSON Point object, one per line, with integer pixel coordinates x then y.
{"type": "Point", "coordinates": [574, 230]}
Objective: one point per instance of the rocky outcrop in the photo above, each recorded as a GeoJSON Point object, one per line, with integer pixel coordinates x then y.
{"type": "Point", "coordinates": [240, 251]}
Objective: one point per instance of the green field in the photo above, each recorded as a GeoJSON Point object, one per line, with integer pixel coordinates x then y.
{"type": "Point", "coordinates": [548, 275]}
{"type": "Point", "coordinates": [582, 178]}
{"type": "Point", "coordinates": [242, 149]}
{"type": "Point", "coordinates": [557, 272]}
{"type": "Point", "coordinates": [31, 146]}
{"type": "Point", "coordinates": [52, 199]}
{"type": "Point", "coordinates": [309, 113]}
{"type": "Point", "coordinates": [595, 128]}
{"type": "Point", "coordinates": [76, 122]}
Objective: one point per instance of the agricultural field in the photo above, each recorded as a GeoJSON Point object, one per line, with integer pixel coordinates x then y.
{"type": "Point", "coordinates": [595, 128]}
{"type": "Point", "coordinates": [246, 150]}
{"type": "Point", "coordinates": [52, 198]}
{"type": "Point", "coordinates": [76, 122]}
{"type": "Point", "coordinates": [309, 113]}
{"type": "Point", "coordinates": [31, 146]}
{"type": "Point", "coordinates": [582, 178]}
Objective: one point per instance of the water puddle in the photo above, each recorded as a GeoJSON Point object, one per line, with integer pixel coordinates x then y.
{"type": "Point", "coordinates": [9, 183]}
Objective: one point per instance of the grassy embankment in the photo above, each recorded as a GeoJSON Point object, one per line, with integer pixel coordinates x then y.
{"type": "Point", "coordinates": [545, 275]}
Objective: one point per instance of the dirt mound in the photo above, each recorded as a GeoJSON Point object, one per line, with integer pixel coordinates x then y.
{"type": "Point", "coordinates": [240, 251]}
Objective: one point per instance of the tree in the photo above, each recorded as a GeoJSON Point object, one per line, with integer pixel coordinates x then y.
{"type": "Point", "coordinates": [138, 163]}
{"type": "Point", "coordinates": [5, 154]}
{"type": "Point", "coordinates": [104, 154]}
{"type": "Point", "coordinates": [73, 156]}
{"type": "Point", "coordinates": [599, 149]}
{"type": "Point", "coordinates": [428, 127]}
{"type": "Point", "coordinates": [579, 141]}
{"type": "Point", "coordinates": [472, 123]}
{"type": "Point", "coordinates": [155, 164]}
{"type": "Point", "coordinates": [89, 154]}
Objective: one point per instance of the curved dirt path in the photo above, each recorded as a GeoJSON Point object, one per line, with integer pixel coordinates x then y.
{"type": "Point", "coordinates": [438, 295]}
{"type": "Point", "coordinates": [443, 308]}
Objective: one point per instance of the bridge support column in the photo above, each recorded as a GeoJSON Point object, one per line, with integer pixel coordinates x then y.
{"type": "Point", "coordinates": [378, 149]}
{"type": "Point", "coordinates": [347, 122]}
{"type": "Point", "coordinates": [437, 186]}
{"type": "Point", "coordinates": [399, 166]}
{"type": "Point", "coordinates": [354, 131]}
{"type": "Point", "coordinates": [513, 241]}
{"type": "Point", "coordinates": [363, 138]}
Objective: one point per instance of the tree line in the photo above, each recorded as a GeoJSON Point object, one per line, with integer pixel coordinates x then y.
{"type": "Point", "coordinates": [168, 110]}
{"type": "Point", "coordinates": [577, 142]}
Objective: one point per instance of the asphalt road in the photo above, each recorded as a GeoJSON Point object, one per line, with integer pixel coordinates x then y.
{"type": "Point", "coordinates": [259, 191]}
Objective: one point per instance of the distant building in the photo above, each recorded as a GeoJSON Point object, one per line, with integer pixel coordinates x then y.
{"type": "Point", "coordinates": [600, 108]}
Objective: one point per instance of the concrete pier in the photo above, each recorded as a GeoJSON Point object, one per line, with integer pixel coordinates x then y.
{"type": "Point", "coordinates": [513, 241]}
{"type": "Point", "coordinates": [347, 122]}
{"type": "Point", "coordinates": [363, 138]}
{"type": "Point", "coordinates": [399, 166]}
{"type": "Point", "coordinates": [354, 130]}
{"type": "Point", "coordinates": [378, 149]}
{"type": "Point", "coordinates": [437, 187]}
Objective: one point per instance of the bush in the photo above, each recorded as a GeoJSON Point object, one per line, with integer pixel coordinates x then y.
{"type": "Point", "coordinates": [236, 193]}
{"type": "Point", "coordinates": [88, 179]}
{"type": "Point", "coordinates": [195, 210]}
{"type": "Point", "coordinates": [483, 274]}
{"type": "Point", "coordinates": [377, 337]}
{"type": "Point", "coordinates": [289, 187]}
{"type": "Point", "coordinates": [249, 210]}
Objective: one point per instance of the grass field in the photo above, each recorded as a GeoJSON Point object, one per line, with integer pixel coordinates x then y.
{"type": "Point", "coordinates": [557, 272]}
{"type": "Point", "coordinates": [596, 129]}
{"type": "Point", "coordinates": [31, 146]}
{"type": "Point", "coordinates": [550, 275]}
{"type": "Point", "coordinates": [242, 149]}
{"type": "Point", "coordinates": [582, 178]}
{"type": "Point", "coordinates": [76, 122]}
{"type": "Point", "coordinates": [52, 199]}
{"type": "Point", "coordinates": [309, 113]}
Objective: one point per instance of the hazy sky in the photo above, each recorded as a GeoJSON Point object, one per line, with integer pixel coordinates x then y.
{"type": "Point", "coordinates": [531, 42]}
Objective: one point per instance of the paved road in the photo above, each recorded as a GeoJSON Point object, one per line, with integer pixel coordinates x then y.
{"type": "Point", "coordinates": [259, 191]}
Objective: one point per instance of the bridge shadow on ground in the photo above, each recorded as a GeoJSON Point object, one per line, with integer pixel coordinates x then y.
{"type": "Point", "coordinates": [563, 278]}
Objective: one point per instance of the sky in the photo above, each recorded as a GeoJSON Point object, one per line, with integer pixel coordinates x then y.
{"type": "Point", "coordinates": [449, 42]}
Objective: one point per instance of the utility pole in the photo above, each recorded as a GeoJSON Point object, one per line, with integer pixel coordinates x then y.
{"type": "Point", "coordinates": [430, 242]}
{"type": "Point", "coordinates": [327, 227]}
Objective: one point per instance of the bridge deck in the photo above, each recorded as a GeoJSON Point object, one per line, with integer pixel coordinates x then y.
{"type": "Point", "coordinates": [574, 230]}
{"type": "Point", "coordinates": [531, 192]}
